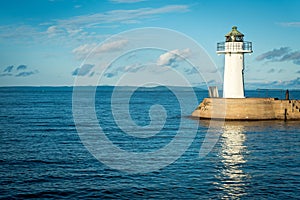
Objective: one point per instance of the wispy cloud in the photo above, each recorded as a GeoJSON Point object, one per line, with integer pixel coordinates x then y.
{"type": "Point", "coordinates": [21, 67]}
{"type": "Point", "coordinates": [5, 74]}
{"type": "Point", "coordinates": [271, 70]}
{"type": "Point", "coordinates": [118, 16]}
{"type": "Point", "coordinates": [280, 55]}
{"type": "Point", "coordinates": [109, 75]}
{"type": "Point", "coordinates": [273, 54]}
{"type": "Point", "coordinates": [83, 50]}
{"type": "Point", "coordinates": [295, 83]}
{"type": "Point", "coordinates": [80, 28]}
{"type": "Point", "coordinates": [191, 71]}
{"type": "Point", "coordinates": [112, 46]}
{"type": "Point", "coordinates": [24, 74]}
{"type": "Point", "coordinates": [126, 1]}
{"type": "Point", "coordinates": [20, 33]}
{"type": "Point", "coordinates": [8, 69]}
{"type": "Point", "coordinates": [83, 26]}
{"type": "Point", "coordinates": [290, 24]}
{"type": "Point", "coordinates": [15, 71]}
{"type": "Point", "coordinates": [53, 31]}
{"type": "Point", "coordinates": [83, 70]}
{"type": "Point", "coordinates": [292, 56]}
{"type": "Point", "coordinates": [132, 68]}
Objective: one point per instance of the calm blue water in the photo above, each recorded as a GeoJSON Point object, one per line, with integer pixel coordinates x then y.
{"type": "Point", "coordinates": [41, 153]}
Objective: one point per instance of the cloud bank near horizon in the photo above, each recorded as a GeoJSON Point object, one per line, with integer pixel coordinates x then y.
{"type": "Point", "coordinates": [283, 54]}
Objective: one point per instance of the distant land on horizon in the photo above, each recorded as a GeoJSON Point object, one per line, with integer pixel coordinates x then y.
{"type": "Point", "coordinates": [290, 85]}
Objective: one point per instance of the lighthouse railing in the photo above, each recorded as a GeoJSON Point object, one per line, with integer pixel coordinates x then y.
{"type": "Point", "coordinates": [247, 46]}
{"type": "Point", "coordinates": [235, 47]}
{"type": "Point", "coordinates": [221, 46]}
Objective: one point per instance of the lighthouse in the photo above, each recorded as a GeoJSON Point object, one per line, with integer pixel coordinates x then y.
{"type": "Point", "coordinates": [234, 49]}
{"type": "Point", "coordinates": [234, 105]}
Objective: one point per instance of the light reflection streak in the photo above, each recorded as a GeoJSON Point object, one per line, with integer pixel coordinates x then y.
{"type": "Point", "coordinates": [232, 155]}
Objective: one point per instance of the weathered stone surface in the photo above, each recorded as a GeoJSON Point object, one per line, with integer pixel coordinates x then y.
{"type": "Point", "coordinates": [248, 109]}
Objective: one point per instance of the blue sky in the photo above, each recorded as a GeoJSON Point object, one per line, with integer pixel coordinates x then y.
{"type": "Point", "coordinates": [45, 42]}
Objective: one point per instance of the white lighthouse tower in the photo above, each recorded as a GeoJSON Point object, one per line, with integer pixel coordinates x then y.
{"type": "Point", "coordinates": [234, 48]}
{"type": "Point", "coordinates": [234, 105]}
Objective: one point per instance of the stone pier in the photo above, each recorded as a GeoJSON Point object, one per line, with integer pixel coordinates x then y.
{"type": "Point", "coordinates": [248, 109]}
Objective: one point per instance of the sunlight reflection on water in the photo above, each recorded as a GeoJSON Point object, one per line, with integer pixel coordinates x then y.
{"type": "Point", "coordinates": [232, 177]}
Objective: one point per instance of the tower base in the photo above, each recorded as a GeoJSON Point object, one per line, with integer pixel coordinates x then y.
{"type": "Point", "coordinates": [248, 109]}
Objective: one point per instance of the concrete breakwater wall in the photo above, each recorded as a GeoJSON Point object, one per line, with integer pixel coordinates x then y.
{"type": "Point", "coordinates": [248, 109]}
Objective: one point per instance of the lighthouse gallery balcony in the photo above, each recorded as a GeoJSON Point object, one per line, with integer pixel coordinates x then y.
{"type": "Point", "coordinates": [234, 47]}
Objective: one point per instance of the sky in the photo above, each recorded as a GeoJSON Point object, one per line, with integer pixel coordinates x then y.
{"type": "Point", "coordinates": [56, 42]}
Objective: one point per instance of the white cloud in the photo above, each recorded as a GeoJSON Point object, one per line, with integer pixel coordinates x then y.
{"type": "Point", "coordinates": [132, 68]}
{"type": "Point", "coordinates": [72, 32]}
{"type": "Point", "coordinates": [52, 30]}
{"type": "Point", "coordinates": [171, 57]}
{"type": "Point", "coordinates": [112, 46]}
{"type": "Point", "coordinates": [83, 50]}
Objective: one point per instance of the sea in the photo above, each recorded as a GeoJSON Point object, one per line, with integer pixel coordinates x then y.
{"type": "Point", "coordinates": [140, 143]}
